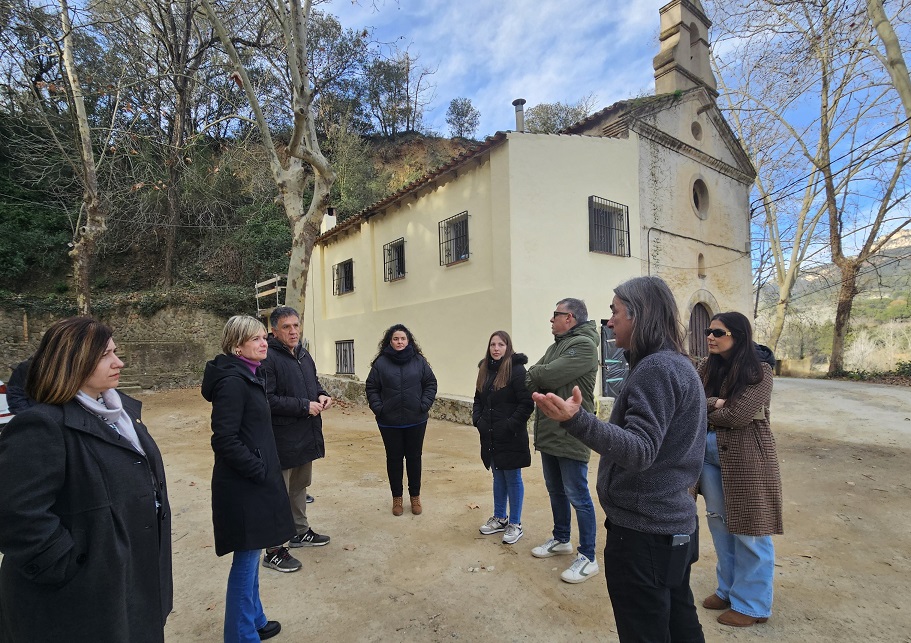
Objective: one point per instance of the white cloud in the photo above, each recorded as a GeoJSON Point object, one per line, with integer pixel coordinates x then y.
{"type": "Point", "coordinates": [493, 52]}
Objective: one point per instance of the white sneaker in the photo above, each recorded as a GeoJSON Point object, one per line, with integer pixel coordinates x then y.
{"type": "Point", "coordinates": [581, 570]}
{"type": "Point", "coordinates": [513, 533]}
{"type": "Point", "coordinates": [552, 547]}
{"type": "Point", "coordinates": [493, 525]}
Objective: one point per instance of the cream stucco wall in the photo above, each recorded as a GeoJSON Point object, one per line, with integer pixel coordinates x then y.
{"type": "Point", "coordinates": [551, 178]}
{"type": "Point", "coordinates": [527, 201]}
{"type": "Point", "coordinates": [450, 309]}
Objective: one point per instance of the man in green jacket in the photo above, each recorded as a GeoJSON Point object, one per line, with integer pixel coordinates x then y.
{"type": "Point", "coordinates": [572, 360]}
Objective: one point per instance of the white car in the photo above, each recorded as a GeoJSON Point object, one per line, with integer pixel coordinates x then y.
{"type": "Point", "coordinates": [5, 415]}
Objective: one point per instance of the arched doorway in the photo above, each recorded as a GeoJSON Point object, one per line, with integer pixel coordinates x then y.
{"type": "Point", "coordinates": [699, 321]}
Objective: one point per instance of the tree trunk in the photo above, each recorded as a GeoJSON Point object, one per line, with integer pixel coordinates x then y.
{"type": "Point", "coordinates": [305, 231]}
{"type": "Point", "coordinates": [85, 239]}
{"type": "Point", "coordinates": [781, 311]}
{"type": "Point", "coordinates": [895, 61]}
{"type": "Point", "coordinates": [172, 220]}
{"type": "Point", "coordinates": [846, 295]}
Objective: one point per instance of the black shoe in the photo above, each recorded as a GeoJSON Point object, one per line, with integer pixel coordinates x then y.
{"type": "Point", "coordinates": [269, 630]}
{"type": "Point", "coordinates": [310, 498]}
{"type": "Point", "coordinates": [281, 561]}
{"type": "Point", "coordinates": [309, 539]}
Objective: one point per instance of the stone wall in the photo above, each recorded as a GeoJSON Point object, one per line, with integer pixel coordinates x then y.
{"type": "Point", "coordinates": [447, 407]}
{"type": "Point", "coordinates": [168, 349]}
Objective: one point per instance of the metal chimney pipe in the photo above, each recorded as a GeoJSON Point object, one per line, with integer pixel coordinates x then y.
{"type": "Point", "coordinates": [520, 114]}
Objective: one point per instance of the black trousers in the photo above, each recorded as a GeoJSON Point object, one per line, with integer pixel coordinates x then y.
{"type": "Point", "coordinates": [648, 579]}
{"type": "Point", "coordinates": [404, 444]}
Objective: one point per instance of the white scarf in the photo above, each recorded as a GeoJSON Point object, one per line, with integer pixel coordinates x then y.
{"type": "Point", "coordinates": [110, 409]}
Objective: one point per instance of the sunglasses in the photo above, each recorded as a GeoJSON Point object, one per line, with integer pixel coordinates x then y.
{"type": "Point", "coordinates": [717, 332]}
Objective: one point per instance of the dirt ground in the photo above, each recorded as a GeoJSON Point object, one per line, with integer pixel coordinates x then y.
{"type": "Point", "coordinates": [842, 571]}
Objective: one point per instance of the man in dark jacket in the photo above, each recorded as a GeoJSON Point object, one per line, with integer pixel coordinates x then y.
{"type": "Point", "coordinates": [296, 400]}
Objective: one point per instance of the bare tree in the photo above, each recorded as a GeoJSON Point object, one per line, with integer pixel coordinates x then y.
{"type": "Point", "coordinates": [166, 42]}
{"type": "Point", "coordinates": [800, 68]}
{"type": "Point", "coordinates": [70, 143]}
{"type": "Point", "coordinates": [87, 234]}
{"type": "Point", "coordinates": [288, 164]}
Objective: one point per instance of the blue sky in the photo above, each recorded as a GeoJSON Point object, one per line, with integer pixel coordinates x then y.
{"type": "Point", "coordinates": [495, 51]}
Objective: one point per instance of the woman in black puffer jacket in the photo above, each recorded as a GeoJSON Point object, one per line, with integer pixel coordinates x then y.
{"type": "Point", "coordinates": [401, 389]}
{"type": "Point", "coordinates": [502, 406]}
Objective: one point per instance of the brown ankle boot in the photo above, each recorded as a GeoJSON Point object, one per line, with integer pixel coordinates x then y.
{"type": "Point", "coordinates": [416, 505]}
{"type": "Point", "coordinates": [397, 506]}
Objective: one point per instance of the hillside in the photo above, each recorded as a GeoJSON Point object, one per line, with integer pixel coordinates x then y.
{"type": "Point", "coordinates": [231, 234]}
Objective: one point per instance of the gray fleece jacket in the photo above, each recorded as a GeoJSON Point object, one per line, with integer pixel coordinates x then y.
{"type": "Point", "coordinates": [652, 448]}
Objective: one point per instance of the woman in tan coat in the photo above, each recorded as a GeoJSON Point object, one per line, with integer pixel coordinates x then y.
{"type": "Point", "coordinates": [740, 478]}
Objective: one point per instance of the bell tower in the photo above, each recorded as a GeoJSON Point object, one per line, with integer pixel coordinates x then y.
{"type": "Point", "coordinates": [683, 60]}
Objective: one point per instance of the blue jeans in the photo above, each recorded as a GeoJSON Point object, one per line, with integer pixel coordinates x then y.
{"type": "Point", "coordinates": [567, 484]}
{"type": "Point", "coordinates": [243, 612]}
{"type": "Point", "coordinates": [507, 484]}
{"type": "Point", "coordinates": [746, 564]}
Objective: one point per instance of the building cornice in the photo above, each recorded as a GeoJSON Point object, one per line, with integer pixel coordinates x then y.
{"type": "Point", "coordinates": [664, 139]}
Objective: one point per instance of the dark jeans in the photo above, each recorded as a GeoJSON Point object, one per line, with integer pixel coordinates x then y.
{"type": "Point", "coordinates": [404, 444]}
{"type": "Point", "coordinates": [648, 580]}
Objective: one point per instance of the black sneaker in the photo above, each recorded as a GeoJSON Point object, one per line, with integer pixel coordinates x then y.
{"type": "Point", "coordinates": [270, 629]}
{"type": "Point", "coordinates": [281, 561]}
{"type": "Point", "coordinates": [310, 498]}
{"type": "Point", "coordinates": [310, 539]}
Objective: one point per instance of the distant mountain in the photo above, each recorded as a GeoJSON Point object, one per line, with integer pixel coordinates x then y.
{"type": "Point", "coordinates": [886, 275]}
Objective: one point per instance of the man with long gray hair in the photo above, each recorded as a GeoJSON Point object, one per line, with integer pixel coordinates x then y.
{"type": "Point", "coordinates": [651, 454]}
{"type": "Point", "coordinates": [570, 362]}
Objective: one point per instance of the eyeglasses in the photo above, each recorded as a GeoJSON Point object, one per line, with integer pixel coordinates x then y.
{"type": "Point", "coordinates": [557, 313]}
{"type": "Point", "coordinates": [717, 332]}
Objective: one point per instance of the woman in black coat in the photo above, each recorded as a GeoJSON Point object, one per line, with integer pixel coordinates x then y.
{"type": "Point", "coordinates": [250, 506]}
{"type": "Point", "coordinates": [502, 406]}
{"type": "Point", "coordinates": [401, 389]}
{"type": "Point", "coordinates": [85, 526]}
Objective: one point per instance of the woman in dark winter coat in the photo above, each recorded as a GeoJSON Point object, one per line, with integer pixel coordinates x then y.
{"type": "Point", "coordinates": [85, 527]}
{"type": "Point", "coordinates": [502, 406]}
{"type": "Point", "coordinates": [740, 478]}
{"type": "Point", "coordinates": [250, 506]}
{"type": "Point", "coordinates": [401, 389]}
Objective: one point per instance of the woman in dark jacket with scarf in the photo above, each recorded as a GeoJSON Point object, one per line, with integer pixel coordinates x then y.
{"type": "Point", "coordinates": [85, 526]}
{"type": "Point", "coordinates": [401, 389]}
{"type": "Point", "coordinates": [740, 477]}
{"type": "Point", "coordinates": [502, 406]}
{"type": "Point", "coordinates": [250, 506]}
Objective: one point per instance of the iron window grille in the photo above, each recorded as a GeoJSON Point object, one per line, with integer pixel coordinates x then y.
{"type": "Point", "coordinates": [454, 239]}
{"type": "Point", "coordinates": [344, 357]}
{"type": "Point", "coordinates": [608, 227]}
{"type": "Point", "coordinates": [394, 260]}
{"type": "Point", "coordinates": [343, 277]}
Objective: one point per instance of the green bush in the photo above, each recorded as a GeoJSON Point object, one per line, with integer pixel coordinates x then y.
{"type": "Point", "coordinates": [903, 368]}
{"type": "Point", "coordinates": [33, 242]}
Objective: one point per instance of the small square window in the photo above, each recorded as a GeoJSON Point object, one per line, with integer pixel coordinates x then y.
{"type": "Point", "coordinates": [344, 357]}
{"type": "Point", "coordinates": [343, 277]}
{"type": "Point", "coordinates": [608, 227]}
{"type": "Point", "coordinates": [394, 260]}
{"type": "Point", "coordinates": [454, 239]}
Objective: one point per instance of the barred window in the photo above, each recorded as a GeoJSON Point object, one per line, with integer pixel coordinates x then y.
{"type": "Point", "coordinates": [394, 260]}
{"type": "Point", "coordinates": [344, 357]}
{"type": "Point", "coordinates": [343, 277]}
{"type": "Point", "coordinates": [454, 239]}
{"type": "Point", "coordinates": [608, 227]}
